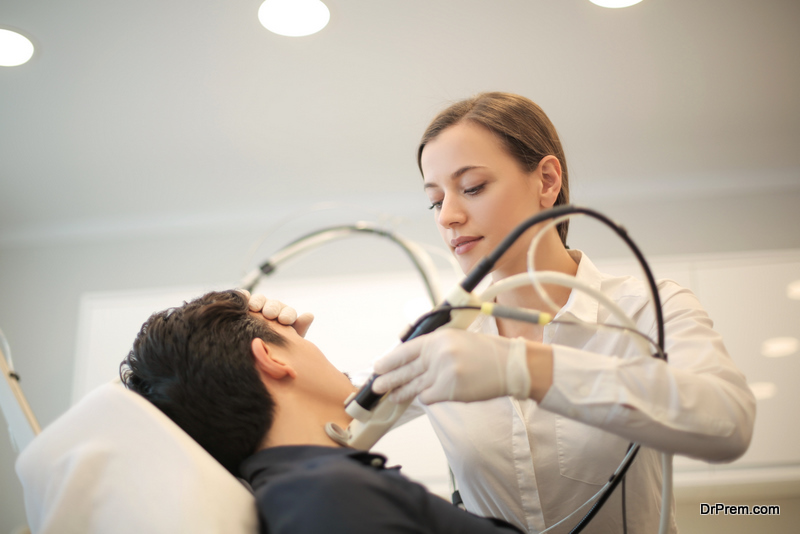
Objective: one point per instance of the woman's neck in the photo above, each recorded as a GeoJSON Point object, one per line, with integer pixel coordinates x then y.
{"type": "Point", "coordinates": [551, 255]}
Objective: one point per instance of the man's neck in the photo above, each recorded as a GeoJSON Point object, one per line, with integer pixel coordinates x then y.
{"type": "Point", "coordinates": [301, 421]}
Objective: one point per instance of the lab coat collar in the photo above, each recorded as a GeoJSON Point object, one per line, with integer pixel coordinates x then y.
{"type": "Point", "coordinates": [581, 305]}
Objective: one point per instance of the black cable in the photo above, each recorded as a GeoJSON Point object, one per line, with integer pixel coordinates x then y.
{"type": "Point", "coordinates": [624, 512]}
{"type": "Point", "coordinates": [614, 482]}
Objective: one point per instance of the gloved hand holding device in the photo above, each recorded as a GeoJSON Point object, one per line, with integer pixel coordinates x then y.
{"type": "Point", "coordinates": [276, 310]}
{"type": "Point", "coordinates": [454, 365]}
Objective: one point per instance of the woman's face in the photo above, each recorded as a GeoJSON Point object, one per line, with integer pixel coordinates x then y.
{"type": "Point", "coordinates": [479, 193]}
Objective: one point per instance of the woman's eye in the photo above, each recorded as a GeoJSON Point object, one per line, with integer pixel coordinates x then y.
{"type": "Point", "coordinates": [474, 190]}
{"type": "Point", "coordinates": [435, 206]}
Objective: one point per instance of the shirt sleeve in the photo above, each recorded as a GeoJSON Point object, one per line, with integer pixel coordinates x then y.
{"type": "Point", "coordinates": [697, 404]}
{"type": "Point", "coordinates": [355, 499]}
{"type": "Point", "coordinates": [413, 411]}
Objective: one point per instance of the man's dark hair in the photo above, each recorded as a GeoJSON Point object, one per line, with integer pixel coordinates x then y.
{"type": "Point", "coordinates": [195, 364]}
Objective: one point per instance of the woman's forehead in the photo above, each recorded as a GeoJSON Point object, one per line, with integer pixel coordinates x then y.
{"type": "Point", "coordinates": [460, 148]}
{"type": "Point", "coordinates": [466, 133]}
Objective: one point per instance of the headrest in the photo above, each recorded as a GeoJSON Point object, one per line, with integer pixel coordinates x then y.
{"type": "Point", "coordinates": [115, 463]}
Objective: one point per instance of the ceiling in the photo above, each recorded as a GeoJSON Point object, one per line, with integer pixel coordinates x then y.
{"type": "Point", "coordinates": [191, 110]}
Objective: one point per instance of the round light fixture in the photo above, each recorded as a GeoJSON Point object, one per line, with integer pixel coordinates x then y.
{"type": "Point", "coordinates": [615, 3]}
{"type": "Point", "coordinates": [763, 390]}
{"type": "Point", "coordinates": [778, 347]}
{"type": "Point", "coordinates": [15, 49]}
{"type": "Point", "coordinates": [793, 290]}
{"type": "Point", "coordinates": [294, 18]}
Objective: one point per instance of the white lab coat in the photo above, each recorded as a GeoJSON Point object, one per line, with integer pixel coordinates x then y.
{"type": "Point", "coordinates": [534, 464]}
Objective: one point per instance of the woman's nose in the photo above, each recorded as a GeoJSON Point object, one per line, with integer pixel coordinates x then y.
{"type": "Point", "coordinates": [451, 213]}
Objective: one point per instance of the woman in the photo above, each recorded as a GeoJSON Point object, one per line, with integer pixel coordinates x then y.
{"type": "Point", "coordinates": [488, 163]}
{"type": "Point", "coordinates": [580, 395]}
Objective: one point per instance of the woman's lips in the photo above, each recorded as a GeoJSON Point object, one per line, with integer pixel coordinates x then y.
{"type": "Point", "coordinates": [462, 245]}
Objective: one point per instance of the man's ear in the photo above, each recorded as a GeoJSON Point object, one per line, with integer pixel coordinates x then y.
{"type": "Point", "coordinates": [268, 361]}
{"type": "Point", "coordinates": [550, 169]}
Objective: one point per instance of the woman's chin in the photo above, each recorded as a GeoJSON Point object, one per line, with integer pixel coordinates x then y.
{"type": "Point", "coordinates": [465, 263]}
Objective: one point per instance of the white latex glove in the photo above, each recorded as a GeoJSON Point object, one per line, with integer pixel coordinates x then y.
{"type": "Point", "coordinates": [276, 310]}
{"type": "Point", "coordinates": [454, 365]}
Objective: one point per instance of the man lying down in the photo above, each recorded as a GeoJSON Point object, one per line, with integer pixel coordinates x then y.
{"type": "Point", "coordinates": [256, 395]}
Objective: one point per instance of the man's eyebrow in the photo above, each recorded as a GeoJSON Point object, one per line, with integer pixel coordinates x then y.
{"type": "Point", "coordinates": [456, 175]}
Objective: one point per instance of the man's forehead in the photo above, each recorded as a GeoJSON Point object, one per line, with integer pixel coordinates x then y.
{"type": "Point", "coordinates": [273, 323]}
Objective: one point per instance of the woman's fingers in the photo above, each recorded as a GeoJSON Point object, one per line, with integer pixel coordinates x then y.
{"type": "Point", "coordinates": [431, 395]}
{"type": "Point", "coordinates": [244, 292]}
{"type": "Point", "coordinates": [303, 323]}
{"type": "Point", "coordinates": [447, 365]}
{"type": "Point", "coordinates": [411, 389]}
{"type": "Point", "coordinates": [276, 310]}
{"type": "Point", "coordinates": [256, 302]}
{"type": "Point", "coordinates": [397, 378]}
{"type": "Point", "coordinates": [400, 355]}
{"type": "Point", "coordinates": [399, 367]}
{"type": "Point", "coordinates": [287, 315]}
{"type": "Point", "coordinates": [272, 309]}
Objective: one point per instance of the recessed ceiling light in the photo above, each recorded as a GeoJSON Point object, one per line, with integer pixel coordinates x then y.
{"type": "Point", "coordinates": [763, 390]}
{"type": "Point", "coordinates": [779, 346]}
{"type": "Point", "coordinates": [294, 18]}
{"type": "Point", "coordinates": [793, 290]}
{"type": "Point", "coordinates": [15, 49]}
{"type": "Point", "coordinates": [615, 3]}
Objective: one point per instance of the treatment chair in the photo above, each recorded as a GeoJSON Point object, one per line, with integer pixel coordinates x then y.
{"type": "Point", "coordinates": [116, 463]}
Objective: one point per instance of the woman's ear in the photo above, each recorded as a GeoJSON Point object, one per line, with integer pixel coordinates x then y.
{"type": "Point", "coordinates": [268, 361]}
{"type": "Point", "coordinates": [550, 170]}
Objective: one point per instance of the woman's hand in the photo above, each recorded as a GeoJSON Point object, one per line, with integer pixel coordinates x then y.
{"type": "Point", "coordinates": [276, 310]}
{"type": "Point", "coordinates": [454, 365]}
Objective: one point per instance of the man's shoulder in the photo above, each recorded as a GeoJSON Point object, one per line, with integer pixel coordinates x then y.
{"type": "Point", "coordinates": [332, 493]}
{"type": "Point", "coordinates": [347, 467]}
{"type": "Point", "coordinates": [349, 492]}
{"type": "Point", "coordinates": [328, 473]}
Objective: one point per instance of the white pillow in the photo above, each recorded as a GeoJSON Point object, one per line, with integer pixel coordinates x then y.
{"type": "Point", "coordinates": [116, 463]}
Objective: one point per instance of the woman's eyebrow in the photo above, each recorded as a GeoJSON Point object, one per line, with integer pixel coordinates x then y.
{"type": "Point", "coordinates": [456, 175]}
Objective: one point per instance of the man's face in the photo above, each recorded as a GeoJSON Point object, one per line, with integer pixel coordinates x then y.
{"type": "Point", "coordinates": [315, 374]}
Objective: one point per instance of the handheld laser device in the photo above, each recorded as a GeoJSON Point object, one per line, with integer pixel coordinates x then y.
{"type": "Point", "coordinates": [374, 415]}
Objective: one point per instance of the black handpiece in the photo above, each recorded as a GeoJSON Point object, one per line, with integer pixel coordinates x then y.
{"type": "Point", "coordinates": [366, 398]}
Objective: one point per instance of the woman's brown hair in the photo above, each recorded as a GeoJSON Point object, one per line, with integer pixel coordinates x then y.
{"type": "Point", "coordinates": [522, 127]}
